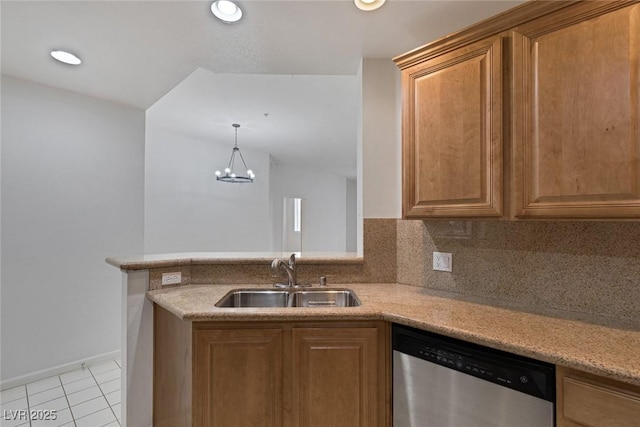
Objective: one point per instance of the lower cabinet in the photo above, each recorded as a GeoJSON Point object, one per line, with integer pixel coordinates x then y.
{"type": "Point", "coordinates": [585, 400]}
{"type": "Point", "coordinates": [335, 377]}
{"type": "Point", "coordinates": [263, 374]}
{"type": "Point", "coordinates": [237, 377]}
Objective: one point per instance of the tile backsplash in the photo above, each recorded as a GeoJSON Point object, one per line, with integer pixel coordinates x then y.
{"type": "Point", "coordinates": [587, 267]}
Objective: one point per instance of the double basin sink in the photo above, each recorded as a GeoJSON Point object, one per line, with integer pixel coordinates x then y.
{"type": "Point", "coordinates": [289, 298]}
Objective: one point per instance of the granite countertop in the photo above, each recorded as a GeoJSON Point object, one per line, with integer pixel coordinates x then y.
{"type": "Point", "coordinates": [604, 347]}
{"type": "Point", "coordinates": [143, 262]}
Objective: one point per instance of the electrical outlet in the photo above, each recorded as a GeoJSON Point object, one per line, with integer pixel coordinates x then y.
{"type": "Point", "coordinates": [171, 278]}
{"type": "Point", "coordinates": [442, 261]}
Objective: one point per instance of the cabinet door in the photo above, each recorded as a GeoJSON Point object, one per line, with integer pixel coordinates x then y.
{"type": "Point", "coordinates": [335, 377]}
{"type": "Point", "coordinates": [238, 378]}
{"type": "Point", "coordinates": [585, 400]}
{"type": "Point", "coordinates": [452, 133]}
{"type": "Point", "coordinates": [576, 113]}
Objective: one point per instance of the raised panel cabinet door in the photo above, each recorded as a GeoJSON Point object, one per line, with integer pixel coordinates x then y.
{"type": "Point", "coordinates": [335, 377]}
{"type": "Point", "coordinates": [585, 400]}
{"type": "Point", "coordinates": [452, 133]}
{"type": "Point", "coordinates": [238, 378]}
{"type": "Point", "coordinates": [576, 113]}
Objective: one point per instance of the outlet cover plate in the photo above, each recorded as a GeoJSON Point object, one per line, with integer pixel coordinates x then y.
{"type": "Point", "coordinates": [442, 261]}
{"type": "Point", "coordinates": [171, 278]}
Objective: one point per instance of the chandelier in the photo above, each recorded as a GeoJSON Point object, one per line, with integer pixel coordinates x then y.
{"type": "Point", "coordinates": [230, 174]}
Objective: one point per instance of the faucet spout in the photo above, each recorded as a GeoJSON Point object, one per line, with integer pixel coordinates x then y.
{"type": "Point", "coordinates": [289, 267]}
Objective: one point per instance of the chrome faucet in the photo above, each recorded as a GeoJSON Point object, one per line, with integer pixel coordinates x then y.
{"type": "Point", "coordinates": [289, 267]}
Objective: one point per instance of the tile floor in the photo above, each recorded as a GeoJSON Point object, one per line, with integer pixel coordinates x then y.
{"type": "Point", "coordinates": [87, 397]}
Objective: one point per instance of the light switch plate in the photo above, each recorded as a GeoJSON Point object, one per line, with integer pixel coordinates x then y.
{"type": "Point", "coordinates": [171, 278]}
{"type": "Point", "coordinates": [442, 261]}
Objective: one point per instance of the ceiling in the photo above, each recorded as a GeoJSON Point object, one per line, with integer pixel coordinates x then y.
{"type": "Point", "coordinates": [305, 121]}
{"type": "Point", "coordinates": [136, 52]}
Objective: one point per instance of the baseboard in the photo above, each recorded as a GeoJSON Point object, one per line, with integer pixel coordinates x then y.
{"type": "Point", "coordinates": [57, 370]}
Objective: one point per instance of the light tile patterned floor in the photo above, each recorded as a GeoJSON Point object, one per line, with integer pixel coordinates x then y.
{"type": "Point", "coordinates": [87, 397]}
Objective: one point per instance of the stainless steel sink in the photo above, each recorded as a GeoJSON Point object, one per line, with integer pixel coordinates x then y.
{"type": "Point", "coordinates": [289, 298]}
{"type": "Point", "coordinates": [255, 298]}
{"type": "Point", "coordinates": [324, 298]}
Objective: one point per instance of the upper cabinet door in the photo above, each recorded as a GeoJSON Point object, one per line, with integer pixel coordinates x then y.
{"type": "Point", "coordinates": [576, 113]}
{"type": "Point", "coordinates": [452, 133]}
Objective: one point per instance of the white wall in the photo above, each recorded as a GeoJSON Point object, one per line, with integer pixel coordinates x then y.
{"type": "Point", "coordinates": [72, 177]}
{"type": "Point", "coordinates": [72, 194]}
{"type": "Point", "coordinates": [1, 352]}
{"type": "Point", "coordinates": [323, 208]}
{"type": "Point", "coordinates": [381, 139]}
{"type": "Point", "coordinates": [187, 210]}
{"type": "Point", "coordinates": [359, 168]}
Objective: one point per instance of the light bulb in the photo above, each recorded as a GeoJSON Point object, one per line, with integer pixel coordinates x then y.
{"type": "Point", "coordinates": [233, 175]}
{"type": "Point", "coordinates": [227, 7]}
{"type": "Point", "coordinates": [227, 170]}
{"type": "Point", "coordinates": [249, 172]}
{"type": "Point", "coordinates": [226, 11]}
{"type": "Point", "coordinates": [368, 5]}
{"type": "Point", "coordinates": [218, 173]}
{"type": "Point", "coordinates": [66, 57]}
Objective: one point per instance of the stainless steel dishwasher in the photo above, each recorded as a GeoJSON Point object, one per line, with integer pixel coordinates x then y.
{"type": "Point", "coordinates": [443, 382]}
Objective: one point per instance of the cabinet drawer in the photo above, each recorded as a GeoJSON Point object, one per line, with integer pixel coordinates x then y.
{"type": "Point", "coordinates": [586, 402]}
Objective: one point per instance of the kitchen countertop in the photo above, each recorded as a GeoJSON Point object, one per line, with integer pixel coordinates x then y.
{"type": "Point", "coordinates": [601, 346]}
{"type": "Point", "coordinates": [144, 262]}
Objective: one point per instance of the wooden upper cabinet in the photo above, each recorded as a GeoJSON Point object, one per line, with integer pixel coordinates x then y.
{"type": "Point", "coordinates": [569, 73]}
{"type": "Point", "coordinates": [452, 133]}
{"type": "Point", "coordinates": [576, 113]}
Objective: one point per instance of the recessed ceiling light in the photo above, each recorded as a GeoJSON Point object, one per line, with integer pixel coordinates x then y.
{"type": "Point", "coordinates": [66, 57]}
{"type": "Point", "coordinates": [368, 5]}
{"type": "Point", "coordinates": [226, 11]}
